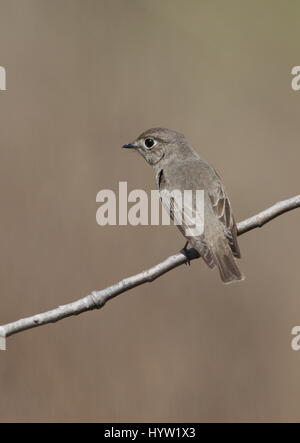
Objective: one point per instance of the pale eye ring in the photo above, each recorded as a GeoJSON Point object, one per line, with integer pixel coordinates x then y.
{"type": "Point", "coordinates": [149, 143]}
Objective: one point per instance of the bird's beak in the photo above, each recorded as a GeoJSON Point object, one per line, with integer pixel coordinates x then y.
{"type": "Point", "coordinates": [129, 146]}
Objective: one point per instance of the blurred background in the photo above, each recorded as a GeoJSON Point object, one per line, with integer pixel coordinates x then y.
{"type": "Point", "coordinates": [83, 78]}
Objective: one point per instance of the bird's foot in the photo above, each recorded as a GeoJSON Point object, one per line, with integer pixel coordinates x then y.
{"type": "Point", "coordinates": [185, 252]}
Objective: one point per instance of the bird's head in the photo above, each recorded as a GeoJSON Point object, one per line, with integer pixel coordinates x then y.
{"type": "Point", "coordinates": [159, 144]}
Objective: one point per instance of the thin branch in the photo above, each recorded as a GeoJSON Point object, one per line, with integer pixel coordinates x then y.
{"type": "Point", "coordinates": [259, 220]}
{"type": "Point", "coordinates": [98, 299]}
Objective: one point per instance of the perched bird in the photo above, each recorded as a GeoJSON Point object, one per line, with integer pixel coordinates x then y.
{"type": "Point", "coordinates": [178, 167]}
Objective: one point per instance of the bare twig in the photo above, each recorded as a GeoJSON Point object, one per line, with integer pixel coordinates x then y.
{"type": "Point", "coordinates": [97, 299]}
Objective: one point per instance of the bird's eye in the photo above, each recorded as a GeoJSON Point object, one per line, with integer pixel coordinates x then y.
{"type": "Point", "coordinates": [149, 143]}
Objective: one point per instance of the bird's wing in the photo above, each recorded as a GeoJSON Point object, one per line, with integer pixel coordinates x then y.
{"type": "Point", "coordinates": [222, 209]}
{"type": "Point", "coordinates": [185, 211]}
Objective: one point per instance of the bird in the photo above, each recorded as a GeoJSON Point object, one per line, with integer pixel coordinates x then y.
{"type": "Point", "coordinates": [178, 167]}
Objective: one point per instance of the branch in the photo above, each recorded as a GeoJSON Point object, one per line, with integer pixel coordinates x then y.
{"type": "Point", "coordinates": [98, 299]}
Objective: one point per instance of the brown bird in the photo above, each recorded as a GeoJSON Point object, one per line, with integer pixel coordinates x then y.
{"type": "Point", "coordinates": [178, 167]}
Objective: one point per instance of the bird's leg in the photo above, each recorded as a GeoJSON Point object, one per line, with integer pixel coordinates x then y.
{"type": "Point", "coordinates": [184, 251]}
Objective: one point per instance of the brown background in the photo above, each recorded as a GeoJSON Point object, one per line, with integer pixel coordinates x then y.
{"type": "Point", "coordinates": [84, 77]}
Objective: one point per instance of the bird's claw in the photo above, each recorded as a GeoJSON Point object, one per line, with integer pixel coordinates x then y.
{"type": "Point", "coordinates": [185, 252]}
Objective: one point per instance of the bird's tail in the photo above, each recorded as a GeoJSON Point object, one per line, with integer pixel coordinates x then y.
{"type": "Point", "coordinates": [219, 254]}
{"type": "Point", "coordinates": [225, 261]}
